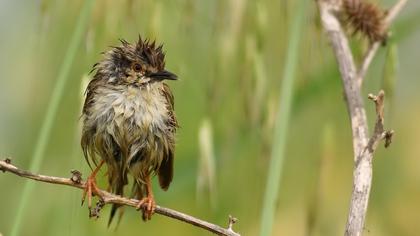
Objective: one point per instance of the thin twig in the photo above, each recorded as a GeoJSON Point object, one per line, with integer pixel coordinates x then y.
{"type": "Point", "coordinates": [392, 13]}
{"type": "Point", "coordinates": [379, 132]}
{"type": "Point", "coordinates": [107, 198]}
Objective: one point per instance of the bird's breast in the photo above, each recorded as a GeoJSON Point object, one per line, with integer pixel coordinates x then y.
{"type": "Point", "coordinates": [131, 108]}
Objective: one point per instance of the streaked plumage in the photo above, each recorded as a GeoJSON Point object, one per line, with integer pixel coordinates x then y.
{"type": "Point", "coordinates": [128, 118]}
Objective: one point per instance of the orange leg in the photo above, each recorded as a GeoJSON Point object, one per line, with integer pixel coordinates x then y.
{"type": "Point", "coordinates": [147, 204]}
{"type": "Point", "coordinates": [91, 187]}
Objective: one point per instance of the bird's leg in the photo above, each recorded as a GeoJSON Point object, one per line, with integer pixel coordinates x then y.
{"type": "Point", "coordinates": [91, 187]}
{"type": "Point", "coordinates": [147, 204]}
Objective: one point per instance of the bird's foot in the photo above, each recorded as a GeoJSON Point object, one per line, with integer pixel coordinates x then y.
{"type": "Point", "coordinates": [90, 186]}
{"type": "Point", "coordinates": [90, 190]}
{"type": "Point", "coordinates": [148, 206]}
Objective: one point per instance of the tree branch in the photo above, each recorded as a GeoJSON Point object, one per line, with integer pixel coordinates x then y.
{"type": "Point", "coordinates": [76, 181]}
{"type": "Point", "coordinates": [373, 48]}
{"type": "Point", "coordinates": [347, 68]}
{"type": "Point", "coordinates": [379, 132]}
{"type": "Point", "coordinates": [363, 146]}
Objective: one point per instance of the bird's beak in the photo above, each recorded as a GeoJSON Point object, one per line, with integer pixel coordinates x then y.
{"type": "Point", "coordinates": [162, 75]}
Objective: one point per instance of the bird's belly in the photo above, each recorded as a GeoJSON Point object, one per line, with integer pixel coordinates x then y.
{"type": "Point", "coordinates": [136, 120]}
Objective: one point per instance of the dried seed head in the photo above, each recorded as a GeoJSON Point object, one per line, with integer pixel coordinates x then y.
{"type": "Point", "coordinates": [366, 18]}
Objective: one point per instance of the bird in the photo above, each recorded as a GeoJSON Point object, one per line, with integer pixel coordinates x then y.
{"type": "Point", "coordinates": [129, 123]}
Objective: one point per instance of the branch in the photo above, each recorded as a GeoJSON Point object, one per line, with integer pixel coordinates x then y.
{"type": "Point", "coordinates": [373, 48]}
{"type": "Point", "coordinates": [379, 132]}
{"type": "Point", "coordinates": [347, 68]}
{"type": "Point", "coordinates": [108, 198]}
{"type": "Point", "coordinates": [363, 146]}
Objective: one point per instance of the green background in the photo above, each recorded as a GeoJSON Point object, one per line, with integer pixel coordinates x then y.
{"type": "Point", "coordinates": [230, 58]}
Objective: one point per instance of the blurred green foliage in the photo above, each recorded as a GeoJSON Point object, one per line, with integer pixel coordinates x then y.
{"type": "Point", "coordinates": [230, 56]}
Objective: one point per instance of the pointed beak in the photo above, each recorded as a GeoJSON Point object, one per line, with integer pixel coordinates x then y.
{"type": "Point", "coordinates": [162, 75]}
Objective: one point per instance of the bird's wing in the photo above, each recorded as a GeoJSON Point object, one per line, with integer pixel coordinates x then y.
{"type": "Point", "coordinates": [165, 171]}
{"type": "Point", "coordinates": [172, 122]}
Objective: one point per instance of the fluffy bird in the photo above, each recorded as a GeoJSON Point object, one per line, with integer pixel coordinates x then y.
{"type": "Point", "coordinates": [129, 122]}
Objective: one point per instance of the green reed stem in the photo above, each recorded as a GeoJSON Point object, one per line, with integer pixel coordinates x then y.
{"type": "Point", "coordinates": [282, 122]}
{"type": "Point", "coordinates": [55, 100]}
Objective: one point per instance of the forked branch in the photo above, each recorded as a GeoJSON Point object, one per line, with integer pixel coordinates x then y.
{"type": "Point", "coordinates": [76, 181]}
{"type": "Point", "coordinates": [363, 145]}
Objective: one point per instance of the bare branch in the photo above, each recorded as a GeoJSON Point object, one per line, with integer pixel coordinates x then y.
{"type": "Point", "coordinates": [346, 65]}
{"type": "Point", "coordinates": [362, 173]}
{"type": "Point", "coordinates": [379, 133]}
{"type": "Point", "coordinates": [394, 11]}
{"type": "Point", "coordinates": [373, 48]}
{"type": "Point", "coordinates": [363, 146]}
{"type": "Point", "coordinates": [76, 181]}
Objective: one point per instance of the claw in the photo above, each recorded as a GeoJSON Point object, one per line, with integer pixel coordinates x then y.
{"type": "Point", "coordinates": [91, 188]}
{"type": "Point", "coordinates": [148, 206]}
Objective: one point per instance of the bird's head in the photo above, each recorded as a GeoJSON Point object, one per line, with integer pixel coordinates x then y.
{"type": "Point", "coordinates": [140, 64]}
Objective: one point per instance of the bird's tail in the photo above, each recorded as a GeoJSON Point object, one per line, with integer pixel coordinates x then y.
{"type": "Point", "coordinates": [138, 192]}
{"type": "Point", "coordinates": [114, 209]}
{"type": "Point", "coordinates": [118, 188]}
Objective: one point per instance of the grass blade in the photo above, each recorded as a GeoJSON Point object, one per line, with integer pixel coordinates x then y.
{"type": "Point", "coordinates": [282, 122]}
{"type": "Point", "coordinates": [55, 100]}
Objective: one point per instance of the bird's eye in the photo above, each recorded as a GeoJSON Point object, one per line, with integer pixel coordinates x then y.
{"type": "Point", "coordinates": [136, 67]}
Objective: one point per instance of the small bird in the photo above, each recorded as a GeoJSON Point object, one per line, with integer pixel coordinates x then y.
{"type": "Point", "coordinates": [129, 122]}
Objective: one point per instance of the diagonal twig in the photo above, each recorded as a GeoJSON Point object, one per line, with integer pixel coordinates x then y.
{"type": "Point", "coordinates": [392, 13]}
{"type": "Point", "coordinates": [108, 198]}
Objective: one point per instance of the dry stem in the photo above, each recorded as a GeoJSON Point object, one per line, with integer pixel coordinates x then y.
{"type": "Point", "coordinates": [379, 133]}
{"type": "Point", "coordinates": [373, 48]}
{"type": "Point", "coordinates": [363, 146]}
{"type": "Point", "coordinates": [76, 181]}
